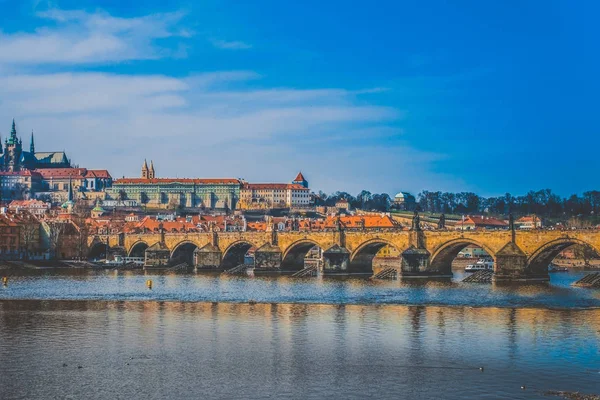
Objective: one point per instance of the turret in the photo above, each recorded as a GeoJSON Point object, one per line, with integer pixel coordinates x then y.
{"type": "Point", "coordinates": [151, 173]}
{"type": "Point", "coordinates": [145, 171]}
{"type": "Point", "coordinates": [300, 180]}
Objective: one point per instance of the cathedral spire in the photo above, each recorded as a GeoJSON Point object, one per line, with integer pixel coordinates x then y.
{"type": "Point", "coordinates": [13, 131]}
{"type": "Point", "coordinates": [32, 145]}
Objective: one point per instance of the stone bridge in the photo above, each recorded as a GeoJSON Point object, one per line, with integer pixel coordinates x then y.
{"type": "Point", "coordinates": [521, 255]}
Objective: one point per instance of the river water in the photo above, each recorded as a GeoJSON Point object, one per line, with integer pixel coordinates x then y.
{"type": "Point", "coordinates": [104, 335]}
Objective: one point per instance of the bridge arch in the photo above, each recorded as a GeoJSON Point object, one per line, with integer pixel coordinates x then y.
{"type": "Point", "coordinates": [293, 256]}
{"type": "Point", "coordinates": [97, 251]}
{"type": "Point", "coordinates": [442, 257]}
{"type": "Point", "coordinates": [361, 260]}
{"type": "Point", "coordinates": [138, 249]}
{"type": "Point", "coordinates": [184, 252]}
{"type": "Point", "coordinates": [235, 253]}
{"type": "Point", "coordinates": [541, 258]}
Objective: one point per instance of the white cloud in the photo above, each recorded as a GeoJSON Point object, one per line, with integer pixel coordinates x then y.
{"type": "Point", "coordinates": [81, 37]}
{"type": "Point", "coordinates": [220, 123]}
{"type": "Point", "coordinates": [230, 45]}
{"type": "Point", "coordinates": [196, 126]}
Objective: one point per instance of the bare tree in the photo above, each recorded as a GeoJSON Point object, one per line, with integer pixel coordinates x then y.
{"type": "Point", "coordinates": [30, 234]}
{"type": "Point", "coordinates": [82, 240]}
{"type": "Point", "coordinates": [55, 234]}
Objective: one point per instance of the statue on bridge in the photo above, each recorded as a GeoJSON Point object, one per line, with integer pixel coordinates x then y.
{"type": "Point", "coordinates": [442, 222]}
{"type": "Point", "coordinates": [416, 222]}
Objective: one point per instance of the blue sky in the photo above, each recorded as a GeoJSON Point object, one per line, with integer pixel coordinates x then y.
{"type": "Point", "coordinates": [386, 96]}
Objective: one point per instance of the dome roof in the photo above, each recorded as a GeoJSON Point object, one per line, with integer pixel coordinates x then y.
{"type": "Point", "coordinates": [68, 203]}
{"type": "Point", "coordinates": [400, 195]}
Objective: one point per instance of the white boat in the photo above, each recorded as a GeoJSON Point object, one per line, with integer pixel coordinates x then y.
{"type": "Point", "coordinates": [480, 265]}
{"type": "Point", "coordinates": [120, 261]}
{"type": "Point", "coordinates": [556, 268]}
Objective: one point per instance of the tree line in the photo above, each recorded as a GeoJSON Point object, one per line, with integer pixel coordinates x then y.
{"type": "Point", "coordinates": [365, 200]}
{"type": "Point", "coordinates": [542, 202]}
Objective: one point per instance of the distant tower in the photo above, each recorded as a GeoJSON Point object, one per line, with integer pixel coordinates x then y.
{"type": "Point", "coordinates": [32, 145]}
{"type": "Point", "coordinates": [14, 149]}
{"type": "Point", "coordinates": [300, 180]}
{"type": "Point", "coordinates": [69, 205]}
{"type": "Point", "coordinates": [70, 194]}
{"type": "Point", "coordinates": [145, 171]}
{"type": "Point", "coordinates": [151, 173]}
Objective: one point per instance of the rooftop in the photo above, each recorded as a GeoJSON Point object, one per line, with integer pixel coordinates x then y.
{"type": "Point", "coordinates": [197, 181]}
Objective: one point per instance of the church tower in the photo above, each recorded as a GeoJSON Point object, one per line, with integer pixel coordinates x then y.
{"type": "Point", "coordinates": [151, 173]}
{"type": "Point", "coordinates": [14, 149]}
{"type": "Point", "coordinates": [145, 171]}
{"type": "Point", "coordinates": [32, 144]}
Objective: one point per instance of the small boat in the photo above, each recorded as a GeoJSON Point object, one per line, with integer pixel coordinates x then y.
{"type": "Point", "coordinates": [480, 265]}
{"type": "Point", "coordinates": [556, 268]}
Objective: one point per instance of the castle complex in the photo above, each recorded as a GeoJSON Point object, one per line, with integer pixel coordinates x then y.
{"type": "Point", "coordinates": [50, 175]}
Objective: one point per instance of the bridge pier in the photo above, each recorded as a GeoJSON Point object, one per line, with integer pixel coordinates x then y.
{"type": "Point", "coordinates": [415, 263]}
{"type": "Point", "coordinates": [208, 257]}
{"type": "Point", "coordinates": [511, 266]}
{"type": "Point", "coordinates": [157, 255]}
{"type": "Point", "coordinates": [336, 260]}
{"type": "Point", "coordinates": [267, 258]}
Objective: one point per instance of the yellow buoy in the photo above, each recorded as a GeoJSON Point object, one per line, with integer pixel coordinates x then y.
{"type": "Point", "coordinates": [149, 283]}
{"type": "Point", "coordinates": [5, 280]}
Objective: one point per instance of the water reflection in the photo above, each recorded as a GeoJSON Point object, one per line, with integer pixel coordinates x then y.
{"type": "Point", "coordinates": [185, 350]}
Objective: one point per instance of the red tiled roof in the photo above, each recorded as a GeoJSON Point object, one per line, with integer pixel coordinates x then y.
{"type": "Point", "coordinates": [274, 186]}
{"type": "Point", "coordinates": [299, 177]}
{"type": "Point", "coordinates": [216, 181]}
{"type": "Point", "coordinates": [529, 218]}
{"type": "Point", "coordinates": [28, 203]}
{"type": "Point", "coordinates": [257, 226]}
{"type": "Point", "coordinates": [58, 173]}
{"type": "Point", "coordinates": [97, 173]}
{"type": "Point", "coordinates": [484, 221]}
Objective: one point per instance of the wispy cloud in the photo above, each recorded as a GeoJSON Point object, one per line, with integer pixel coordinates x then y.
{"type": "Point", "coordinates": [79, 37]}
{"type": "Point", "coordinates": [230, 45]}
